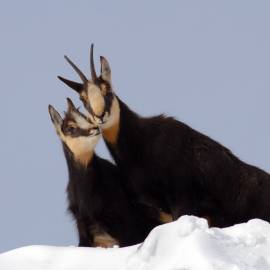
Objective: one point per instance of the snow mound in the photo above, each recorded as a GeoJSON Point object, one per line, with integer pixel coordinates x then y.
{"type": "Point", "coordinates": [186, 244]}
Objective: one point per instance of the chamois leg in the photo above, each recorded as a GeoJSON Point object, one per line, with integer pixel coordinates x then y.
{"type": "Point", "coordinates": [185, 206]}
{"type": "Point", "coordinates": [85, 239]}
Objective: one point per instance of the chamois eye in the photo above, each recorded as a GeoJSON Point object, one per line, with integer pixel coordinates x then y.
{"type": "Point", "coordinates": [71, 129]}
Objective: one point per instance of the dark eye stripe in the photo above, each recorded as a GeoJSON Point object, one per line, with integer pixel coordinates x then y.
{"type": "Point", "coordinates": [108, 101]}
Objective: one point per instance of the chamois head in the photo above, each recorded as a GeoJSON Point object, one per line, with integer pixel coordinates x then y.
{"type": "Point", "coordinates": [76, 132]}
{"type": "Point", "coordinates": [96, 94]}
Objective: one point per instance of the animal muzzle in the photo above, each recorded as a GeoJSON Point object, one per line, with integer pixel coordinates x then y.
{"type": "Point", "coordinates": [101, 119]}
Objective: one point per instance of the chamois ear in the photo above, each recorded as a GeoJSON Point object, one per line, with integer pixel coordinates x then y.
{"type": "Point", "coordinates": [71, 106]}
{"type": "Point", "coordinates": [56, 118]}
{"type": "Point", "coordinates": [105, 71]}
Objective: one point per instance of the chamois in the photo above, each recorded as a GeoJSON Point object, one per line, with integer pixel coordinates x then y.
{"type": "Point", "coordinates": [97, 201]}
{"type": "Point", "coordinates": [170, 168]}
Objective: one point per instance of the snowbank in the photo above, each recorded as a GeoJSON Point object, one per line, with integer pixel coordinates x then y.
{"type": "Point", "coordinates": [187, 244]}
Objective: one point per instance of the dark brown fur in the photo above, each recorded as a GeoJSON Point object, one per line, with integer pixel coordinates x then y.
{"type": "Point", "coordinates": [97, 200]}
{"type": "Point", "coordinates": [169, 166]}
{"type": "Point", "coordinates": [99, 204]}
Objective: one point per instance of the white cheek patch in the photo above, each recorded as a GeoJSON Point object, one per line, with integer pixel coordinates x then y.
{"type": "Point", "coordinates": [80, 145]}
{"type": "Point", "coordinates": [96, 99]}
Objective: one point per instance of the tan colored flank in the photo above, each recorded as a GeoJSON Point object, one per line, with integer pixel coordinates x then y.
{"type": "Point", "coordinates": [110, 129]}
{"type": "Point", "coordinates": [104, 240]}
{"type": "Point", "coordinates": [165, 217]}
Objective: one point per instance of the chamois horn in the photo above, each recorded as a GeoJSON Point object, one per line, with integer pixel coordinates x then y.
{"type": "Point", "coordinates": [78, 87]}
{"type": "Point", "coordinates": [92, 64]}
{"type": "Point", "coordinates": [79, 72]}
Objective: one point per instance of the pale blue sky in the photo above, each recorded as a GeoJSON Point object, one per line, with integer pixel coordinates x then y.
{"type": "Point", "coordinates": [205, 62]}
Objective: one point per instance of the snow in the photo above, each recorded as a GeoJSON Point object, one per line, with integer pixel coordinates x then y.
{"type": "Point", "coordinates": [186, 244]}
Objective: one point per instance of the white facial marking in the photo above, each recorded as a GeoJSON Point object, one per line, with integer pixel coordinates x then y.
{"type": "Point", "coordinates": [96, 99]}
{"type": "Point", "coordinates": [83, 144]}
{"type": "Point", "coordinates": [82, 147]}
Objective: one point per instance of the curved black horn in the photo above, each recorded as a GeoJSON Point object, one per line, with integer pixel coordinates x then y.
{"type": "Point", "coordinates": [79, 72]}
{"type": "Point", "coordinates": [92, 64]}
{"type": "Point", "coordinates": [78, 87]}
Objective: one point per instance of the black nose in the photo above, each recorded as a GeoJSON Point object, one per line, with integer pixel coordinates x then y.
{"type": "Point", "coordinates": [103, 114]}
{"type": "Point", "coordinates": [101, 118]}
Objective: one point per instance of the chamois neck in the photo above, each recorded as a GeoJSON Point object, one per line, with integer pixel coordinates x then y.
{"type": "Point", "coordinates": [110, 130]}
{"type": "Point", "coordinates": [81, 160]}
{"type": "Point", "coordinates": [120, 115]}
{"type": "Point", "coordinates": [129, 134]}
{"type": "Point", "coordinates": [129, 120]}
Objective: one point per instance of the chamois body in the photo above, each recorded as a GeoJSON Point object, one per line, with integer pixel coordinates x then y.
{"type": "Point", "coordinates": [100, 206]}
{"type": "Point", "coordinates": [172, 167]}
{"type": "Point", "coordinates": [97, 200]}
